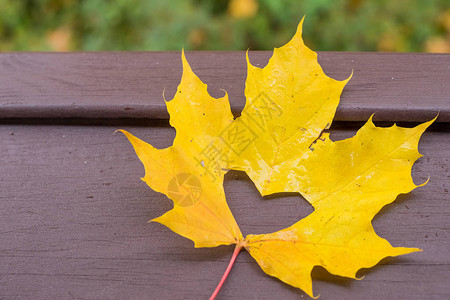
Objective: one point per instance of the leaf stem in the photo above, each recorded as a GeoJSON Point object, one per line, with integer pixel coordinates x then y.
{"type": "Point", "coordinates": [227, 271]}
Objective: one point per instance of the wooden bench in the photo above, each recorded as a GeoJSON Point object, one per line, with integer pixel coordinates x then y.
{"type": "Point", "coordinates": [73, 212]}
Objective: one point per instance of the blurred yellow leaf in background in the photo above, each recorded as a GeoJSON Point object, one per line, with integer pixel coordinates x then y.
{"type": "Point", "coordinates": [243, 8]}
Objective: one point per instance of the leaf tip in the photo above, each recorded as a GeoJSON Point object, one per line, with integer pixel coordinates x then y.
{"type": "Point", "coordinates": [186, 66]}
{"type": "Point", "coordinates": [412, 250]}
{"type": "Point", "coordinates": [225, 97]}
{"type": "Point", "coordinates": [348, 78]}
{"type": "Point", "coordinates": [189, 80]}
{"type": "Point", "coordinates": [163, 95]}
{"type": "Point", "coordinates": [249, 64]}
{"type": "Point", "coordinates": [428, 123]}
{"type": "Point", "coordinates": [405, 250]}
{"type": "Point", "coordinates": [359, 278]}
{"type": "Point", "coordinates": [422, 127]}
{"type": "Point", "coordinates": [300, 26]}
{"type": "Point", "coordinates": [370, 120]}
{"type": "Point", "coordinates": [157, 220]}
{"type": "Point", "coordinates": [426, 181]}
{"type": "Point", "coordinates": [298, 36]}
{"type": "Point", "coordinates": [187, 70]}
{"type": "Point", "coordinates": [126, 133]}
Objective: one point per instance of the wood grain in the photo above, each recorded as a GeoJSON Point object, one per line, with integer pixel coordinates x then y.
{"type": "Point", "coordinates": [73, 212]}
{"type": "Point", "coordinates": [73, 225]}
{"type": "Point", "coordinates": [394, 86]}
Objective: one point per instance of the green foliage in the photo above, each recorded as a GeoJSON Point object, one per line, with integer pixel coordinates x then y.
{"type": "Point", "coordinates": [348, 25]}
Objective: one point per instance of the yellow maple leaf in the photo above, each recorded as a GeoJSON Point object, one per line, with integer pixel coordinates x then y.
{"type": "Point", "coordinates": [279, 141]}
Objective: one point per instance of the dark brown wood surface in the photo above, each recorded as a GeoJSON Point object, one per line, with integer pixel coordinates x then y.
{"type": "Point", "coordinates": [394, 86]}
{"type": "Point", "coordinates": [73, 211]}
{"type": "Point", "coordinates": [73, 224]}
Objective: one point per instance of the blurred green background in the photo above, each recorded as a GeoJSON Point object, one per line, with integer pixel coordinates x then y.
{"type": "Point", "coordinates": [334, 25]}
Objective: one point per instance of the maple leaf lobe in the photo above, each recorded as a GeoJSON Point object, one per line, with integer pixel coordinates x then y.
{"type": "Point", "coordinates": [300, 102]}
{"type": "Point", "coordinates": [200, 210]}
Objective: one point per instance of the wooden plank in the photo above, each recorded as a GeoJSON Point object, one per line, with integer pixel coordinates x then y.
{"type": "Point", "coordinates": [73, 224]}
{"type": "Point", "coordinates": [394, 86]}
